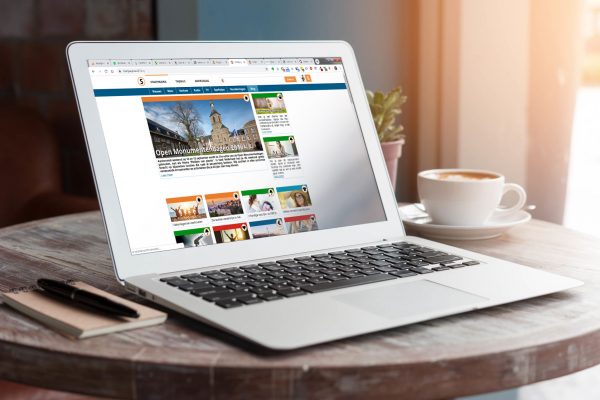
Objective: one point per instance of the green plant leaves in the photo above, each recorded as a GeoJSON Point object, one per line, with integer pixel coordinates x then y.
{"type": "Point", "coordinates": [385, 108]}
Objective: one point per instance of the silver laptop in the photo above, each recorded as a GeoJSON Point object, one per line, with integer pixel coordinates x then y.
{"type": "Point", "coordinates": [243, 185]}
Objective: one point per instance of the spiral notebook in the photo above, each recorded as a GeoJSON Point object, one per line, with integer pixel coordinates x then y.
{"type": "Point", "coordinates": [74, 321]}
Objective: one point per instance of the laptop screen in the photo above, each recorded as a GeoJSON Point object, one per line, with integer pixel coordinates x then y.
{"type": "Point", "coordinates": [206, 152]}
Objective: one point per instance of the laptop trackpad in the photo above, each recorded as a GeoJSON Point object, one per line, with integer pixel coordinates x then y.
{"type": "Point", "coordinates": [412, 298]}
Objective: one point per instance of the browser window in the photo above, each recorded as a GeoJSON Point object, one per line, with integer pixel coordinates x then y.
{"type": "Point", "coordinates": [213, 151]}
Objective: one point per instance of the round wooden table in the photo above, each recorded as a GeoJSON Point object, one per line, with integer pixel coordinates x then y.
{"type": "Point", "coordinates": [482, 351]}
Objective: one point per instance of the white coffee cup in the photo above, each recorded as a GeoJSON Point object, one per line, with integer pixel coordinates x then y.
{"type": "Point", "coordinates": [466, 197]}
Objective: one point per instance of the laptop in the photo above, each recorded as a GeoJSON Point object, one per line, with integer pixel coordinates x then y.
{"type": "Point", "coordinates": [242, 184]}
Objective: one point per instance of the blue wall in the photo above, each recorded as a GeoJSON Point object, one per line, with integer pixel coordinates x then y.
{"type": "Point", "coordinates": [371, 27]}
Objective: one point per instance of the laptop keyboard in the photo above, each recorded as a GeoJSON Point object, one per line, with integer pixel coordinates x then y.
{"type": "Point", "coordinates": [269, 281]}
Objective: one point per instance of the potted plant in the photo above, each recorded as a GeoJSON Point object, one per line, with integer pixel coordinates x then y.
{"type": "Point", "coordinates": [385, 108]}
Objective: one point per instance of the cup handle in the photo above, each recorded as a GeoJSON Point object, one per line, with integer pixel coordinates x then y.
{"type": "Point", "coordinates": [518, 205]}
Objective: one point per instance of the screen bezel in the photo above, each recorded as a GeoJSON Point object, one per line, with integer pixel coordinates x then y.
{"type": "Point", "coordinates": [161, 262]}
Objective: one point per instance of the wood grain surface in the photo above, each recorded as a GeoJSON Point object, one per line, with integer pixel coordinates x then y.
{"type": "Point", "coordinates": [486, 350]}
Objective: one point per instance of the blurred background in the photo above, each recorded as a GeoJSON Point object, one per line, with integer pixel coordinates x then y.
{"type": "Point", "coordinates": [507, 85]}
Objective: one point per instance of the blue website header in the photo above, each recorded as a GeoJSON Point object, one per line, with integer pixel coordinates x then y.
{"type": "Point", "coordinates": [217, 89]}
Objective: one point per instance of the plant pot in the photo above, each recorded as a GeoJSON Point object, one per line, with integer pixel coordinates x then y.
{"type": "Point", "coordinates": [392, 151]}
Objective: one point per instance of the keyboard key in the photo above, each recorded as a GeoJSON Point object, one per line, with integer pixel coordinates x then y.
{"type": "Point", "coordinates": [275, 267]}
{"type": "Point", "coordinates": [294, 270]}
{"type": "Point", "coordinates": [442, 259]}
{"type": "Point", "coordinates": [176, 281]}
{"type": "Point", "coordinates": [252, 269]}
{"type": "Point", "coordinates": [237, 286]}
{"type": "Point", "coordinates": [198, 279]}
{"type": "Point", "coordinates": [405, 245]}
{"type": "Point", "coordinates": [237, 273]}
{"type": "Point", "coordinates": [229, 294]}
{"type": "Point", "coordinates": [291, 292]}
{"type": "Point", "coordinates": [309, 262]}
{"type": "Point", "coordinates": [423, 249]}
{"type": "Point", "coordinates": [186, 287]}
{"type": "Point", "coordinates": [379, 263]}
{"type": "Point", "coordinates": [264, 264]}
{"type": "Point", "coordinates": [369, 271]}
{"type": "Point", "coordinates": [442, 268]}
{"type": "Point", "coordinates": [270, 297]}
{"type": "Point", "coordinates": [310, 274]}
{"type": "Point", "coordinates": [276, 281]}
{"type": "Point", "coordinates": [188, 276]}
{"type": "Point", "coordinates": [303, 285]}
{"type": "Point", "coordinates": [385, 269]}
{"type": "Point", "coordinates": [403, 274]}
{"type": "Point", "coordinates": [243, 279]}
{"type": "Point", "coordinates": [262, 290]}
{"type": "Point", "coordinates": [421, 270]}
{"type": "Point", "coordinates": [469, 263]}
{"type": "Point", "coordinates": [228, 303]}
{"type": "Point", "coordinates": [257, 284]}
{"type": "Point", "coordinates": [216, 275]}
{"type": "Point", "coordinates": [352, 274]}
{"type": "Point", "coordinates": [428, 254]}
{"type": "Point", "coordinates": [418, 263]}
{"type": "Point", "coordinates": [363, 280]}
{"type": "Point", "coordinates": [328, 262]}
{"type": "Point", "coordinates": [296, 278]}
{"type": "Point", "coordinates": [280, 286]}
{"type": "Point", "coordinates": [318, 280]}
{"type": "Point", "coordinates": [204, 292]}
{"type": "Point", "coordinates": [202, 285]}
{"type": "Point", "coordinates": [358, 256]}
{"type": "Point", "coordinates": [246, 296]}
{"type": "Point", "coordinates": [336, 277]}
{"type": "Point", "coordinates": [412, 257]}
{"type": "Point", "coordinates": [249, 300]}
{"type": "Point", "coordinates": [290, 265]}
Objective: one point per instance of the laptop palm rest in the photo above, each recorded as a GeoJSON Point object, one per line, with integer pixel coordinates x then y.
{"type": "Point", "coordinates": [404, 300]}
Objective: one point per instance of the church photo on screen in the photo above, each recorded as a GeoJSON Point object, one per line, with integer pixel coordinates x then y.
{"type": "Point", "coordinates": [202, 127]}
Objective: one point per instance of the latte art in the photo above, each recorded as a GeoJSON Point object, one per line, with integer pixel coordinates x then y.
{"type": "Point", "coordinates": [463, 176]}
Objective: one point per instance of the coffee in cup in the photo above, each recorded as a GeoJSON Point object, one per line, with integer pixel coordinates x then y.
{"type": "Point", "coordinates": [465, 197]}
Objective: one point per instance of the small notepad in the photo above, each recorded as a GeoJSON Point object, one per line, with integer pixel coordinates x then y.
{"type": "Point", "coordinates": [74, 321]}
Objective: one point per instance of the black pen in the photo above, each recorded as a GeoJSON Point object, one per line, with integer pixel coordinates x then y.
{"type": "Point", "coordinates": [84, 297]}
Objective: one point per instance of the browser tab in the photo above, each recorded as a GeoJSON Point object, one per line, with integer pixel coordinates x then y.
{"type": "Point", "coordinates": [201, 61]}
{"type": "Point", "coordinates": [142, 62]}
{"type": "Point", "coordinates": [162, 62]}
{"type": "Point", "coordinates": [237, 61]}
{"type": "Point", "coordinates": [98, 63]}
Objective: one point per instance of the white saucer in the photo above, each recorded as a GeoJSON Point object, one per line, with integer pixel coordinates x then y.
{"type": "Point", "coordinates": [418, 223]}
